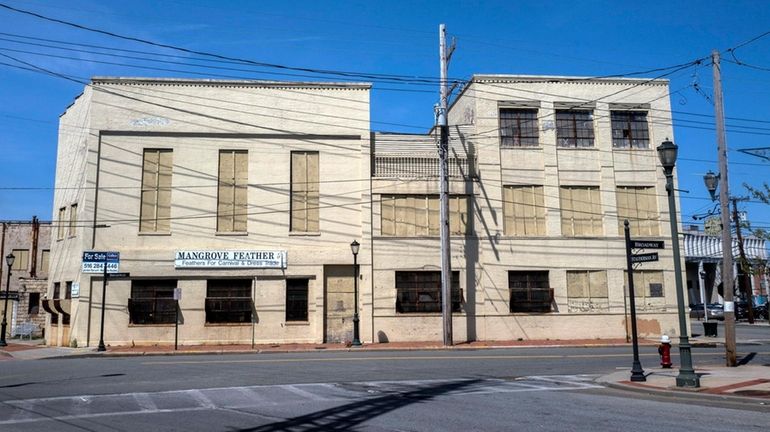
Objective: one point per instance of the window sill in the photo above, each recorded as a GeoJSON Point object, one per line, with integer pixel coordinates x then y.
{"type": "Point", "coordinates": [577, 148]}
{"type": "Point", "coordinates": [151, 325]}
{"type": "Point", "coordinates": [154, 234]}
{"type": "Point", "coordinates": [298, 323]}
{"type": "Point", "coordinates": [304, 234]}
{"type": "Point", "coordinates": [231, 234]}
{"type": "Point", "coordinates": [630, 149]}
{"type": "Point", "coordinates": [521, 148]}
{"type": "Point", "coordinates": [426, 314]}
{"type": "Point", "coordinates": [227, 324]}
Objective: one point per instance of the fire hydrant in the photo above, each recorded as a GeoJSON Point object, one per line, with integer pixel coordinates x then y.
{"type": "Point", "coordinates": [664, 349]}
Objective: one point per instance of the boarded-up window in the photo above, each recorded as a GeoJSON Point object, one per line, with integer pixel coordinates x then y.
{"type": "Point", "coordinates": [639, 206]}
{"type": "Point", "coordinates": [587, 284]}
{"type": "Point", "coordinates": [518, 127]}
{"type": "Point", "coordinates": [233, 191]}
{"type": "Point", "coordinates": [629, 129]}
{"type": "Point", "coordinates": [156, 191]}
{"type": "Point", "coordinates": [418, 215]}
{"type": "Point", "coordinates": [647, 283]}
{"type": "Point", "coordinates": [581, 211]}
{"type": "Point", "coordinates": [524, 210]}
{"type": "Point", "coordinates": [45, 261]}
{"type": "Point", "coordinates": [21, 262]}
{"type": "Point", "coordinates": [574, 128]}
{"type": "Point", "coordinates": [60, 222]}
{"type": "Point", "coordinates": [73, 220]}
{"type": "Point", "coordinates": [304, 192]}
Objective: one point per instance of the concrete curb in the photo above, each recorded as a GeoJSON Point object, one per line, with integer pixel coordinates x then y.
{"type": "Point", "coordinates": [687, 394]}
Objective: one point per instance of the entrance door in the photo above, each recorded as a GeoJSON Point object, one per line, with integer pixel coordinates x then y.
{"type": "Point", "coordinates": [338, 310]}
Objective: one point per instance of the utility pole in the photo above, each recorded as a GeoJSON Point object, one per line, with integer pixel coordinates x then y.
{"type": "Point", "coordinates": [745, 282]}
{"type": "Point", "coordinates": [443, 152]}
{"type": "Point", "coordinates": [724, 194]}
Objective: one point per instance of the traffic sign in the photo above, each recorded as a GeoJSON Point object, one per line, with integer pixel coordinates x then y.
{"type": "Point", "coordinates": [647, 244]}
{"type": "Point", "coordinates": [94, 262]}
{"type": "Point", "coordinates": [118, 275]}
{"type": "Point", "coordinates": [648, 257]}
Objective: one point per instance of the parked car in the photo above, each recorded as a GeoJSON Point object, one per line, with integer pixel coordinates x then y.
{"type": "Point", "coordinates": [742, 311]}
{"type": "Point", "coordinates": [715, 311]}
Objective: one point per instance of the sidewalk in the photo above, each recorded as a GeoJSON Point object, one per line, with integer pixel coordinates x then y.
{"type": "Point", "coordinates": [751, 383]}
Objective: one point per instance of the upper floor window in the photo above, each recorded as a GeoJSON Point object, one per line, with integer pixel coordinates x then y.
{"type": "Point", "coordinates": [418, 215]}
{"type": "Point", "coordinates": [45, 261]}
{"type": "Point", "coordinates": [639, 205]}
{"type": "Point", "coordinates": [232, 204]}
{"type": "Point", "coordinates": [518, 127]}
{"type": "Point", "coordinates": [155, 213]}
{"type": "Point", "coordinates": [574, 128]}
{"type": "Point", "coordinates": [73, 220]}
{"type": "Point", "coordinates": [304, 192]}
{"type": "Point", "coordinates": [22, 260]}
{"type": "Point", "coordinates": [581, 211]}
{"type": "Point", "coordinates": [524, 210]}
{"type": "Point", "coordinates": [629, 129]}
{"type": "Point", "coordinates": [60, 223]}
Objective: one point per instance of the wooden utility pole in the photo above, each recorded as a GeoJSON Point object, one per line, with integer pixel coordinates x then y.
{"type": "Point", "coordinates": [443, 152]}
{"type": "Point", "coordinates": [724, 194]}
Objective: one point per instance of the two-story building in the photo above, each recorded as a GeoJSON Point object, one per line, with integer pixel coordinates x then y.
{"type": "Point", "coordinates": [240, 199]}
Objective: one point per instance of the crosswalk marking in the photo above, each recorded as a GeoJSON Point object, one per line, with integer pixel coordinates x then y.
{"type": "Point", "coordinates": [230, 398]}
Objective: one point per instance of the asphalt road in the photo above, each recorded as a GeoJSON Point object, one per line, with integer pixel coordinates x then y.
{"type": "Point", "coordinates": [512, 389]}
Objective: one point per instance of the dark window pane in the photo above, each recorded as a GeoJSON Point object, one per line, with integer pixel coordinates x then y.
{"type": "Point", "coordinates": [574, 128]}
{"type": "Point", "coordinates": [630, 129]}
{"type": "Point", "coordinates": [420, 291]}
{"type": "Point", "coordinates": [529, 291]}
{"type": "Point", "coordinates": [518, 127]}
{"type": "Point", "coordinates": [152, 302]}
{"type": "Point", "coordinates": [33, 308]}
{"type": "Point", "coordinates": [296, 299]}
{"type": "Point", "coordinates": [228, 301]}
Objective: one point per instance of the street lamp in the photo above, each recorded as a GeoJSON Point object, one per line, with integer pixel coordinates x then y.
{"type": "Point", "coordinates": [667, 152]}
{"type": "Point", "coordinates": [711, 180]}
{"type": "Point", "coordinates": [354, 248]}
{"type": "Point", "coordinates": [8, 260]}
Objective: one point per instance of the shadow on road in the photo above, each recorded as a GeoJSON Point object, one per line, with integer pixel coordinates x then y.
{"type": "Point", "coordinates": [347, 416]}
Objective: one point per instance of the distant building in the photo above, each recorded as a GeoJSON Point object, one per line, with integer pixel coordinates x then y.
{"type": "Point", "coordinates": [29, 242]}
{"type": "Point", "coordinates": [243, 197]}
{"type": "Point", "coordinates": [703, 257]}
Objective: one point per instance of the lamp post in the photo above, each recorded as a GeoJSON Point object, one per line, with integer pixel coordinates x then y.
{"type": "Point", "coordinates": [354, 248]}
{"type": "Point", "coordinates": [667, 152]}
{"type": "Point", "coordinates": [8, 260]}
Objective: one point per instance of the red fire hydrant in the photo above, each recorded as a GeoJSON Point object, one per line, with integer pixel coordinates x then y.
{"type": "Point", "coordinates": [664, 349]}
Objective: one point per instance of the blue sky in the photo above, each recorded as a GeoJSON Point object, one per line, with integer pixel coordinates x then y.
{"type": "Point", "coordinates": [523, 37]}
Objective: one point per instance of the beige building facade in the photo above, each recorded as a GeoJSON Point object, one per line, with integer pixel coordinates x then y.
{"type": "Point", "coordinates": [238, 201]}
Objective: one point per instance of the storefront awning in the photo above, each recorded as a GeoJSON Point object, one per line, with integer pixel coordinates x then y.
{"type": "Point", "coordinates": [702, 247]}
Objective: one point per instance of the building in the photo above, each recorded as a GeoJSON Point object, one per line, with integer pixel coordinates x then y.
{"type": "Point", "coordinates": [241, 198]}
{"type": "Point", "coordinates": [29, 242]}
{"type": "Point", "coordinates": [703, 258]}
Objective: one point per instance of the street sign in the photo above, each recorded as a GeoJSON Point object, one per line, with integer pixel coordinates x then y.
{"type": "Point", "coordinates": [94, 262]}
{"type": "Point", "coordinates": [647, 244]}
{"type": "Point", "coordinates": [648, 257]}
{"type": "Point", "coordinates": [118, 275]}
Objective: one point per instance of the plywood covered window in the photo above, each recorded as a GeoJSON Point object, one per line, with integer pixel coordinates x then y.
{"type": "Point", "coordinates": [581, 211]}
{"type": "Point", "coordinates": [574, 128]}
{"type": "Point", "coordinates": [304, 192]}
{"type": "Point", "coordinates": [71, 231]}
{"type": "Point", "coordinates": [21, 262]}
{"type": "Point", "coordinates": [233, 191]}
{"type": "Point", "coordinates": [45, 261]}
{"type": "Point", "coordinates": [524, 210]}
{"type": "Point", "coordinates": [647, 283]}
{"type": "Point", "coordinates": [156, 191]}
{"type": "Point", "coordinates": [640, 206]}
{"type": "Point", "coordinates": [60, 221]}
{"type": "Point", "coordinates": [418, 215]}
{"type": "Point", "coordinates": [518, 127]}
{"type": "Point", "coordinates": [587, 284]}
{"type": "Point", "coordinates": [630, 129]}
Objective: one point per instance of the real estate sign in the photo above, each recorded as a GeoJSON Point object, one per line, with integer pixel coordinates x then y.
{"type": "Point", "coordinates": [94, 262]}
{"type": "Point", "coordinates": [231, 259]}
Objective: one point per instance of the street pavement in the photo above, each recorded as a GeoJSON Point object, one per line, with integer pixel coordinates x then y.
{"type": "Point", "coordinates": [544, 386]}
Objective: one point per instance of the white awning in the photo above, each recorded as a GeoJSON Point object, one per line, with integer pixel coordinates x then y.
{"type": "Point", "coordinates": [702, 247]}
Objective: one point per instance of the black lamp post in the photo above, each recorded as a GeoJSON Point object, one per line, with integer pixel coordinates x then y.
{"type": "Point", "coordinates": [8, 260]}
{"type": "Point", "coordinates": [667, 152]}
{"type": "Point", "coordinates": [354, 248]}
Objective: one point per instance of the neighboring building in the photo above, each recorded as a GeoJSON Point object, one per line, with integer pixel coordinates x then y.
{"type": "Point", "coordinates": [703, 257]}
{"type": "Point", "coordinates": [245, 196]}
{"type": "Point", "coordinates": [29, 242]}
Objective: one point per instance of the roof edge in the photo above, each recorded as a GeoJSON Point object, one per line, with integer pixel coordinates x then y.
{"type": "Point", "coordinates": [96, 80]}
